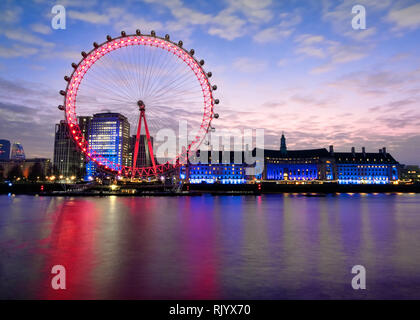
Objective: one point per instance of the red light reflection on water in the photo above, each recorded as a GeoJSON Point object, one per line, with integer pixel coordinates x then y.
{"type": "Point", "coordinates": [71, 244]}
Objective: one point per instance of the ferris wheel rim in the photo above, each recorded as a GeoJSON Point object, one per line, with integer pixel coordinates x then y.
{"type": "Point", "coordinates": [112, 44]}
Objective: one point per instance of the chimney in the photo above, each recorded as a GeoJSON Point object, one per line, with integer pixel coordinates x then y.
{"type": "Point", "coordinates": [331, 149]}
{"type": "Point", "coordinates": [364, 151]}
{"type": "Point", "coordinates": [353, 151]}
{"type": "Point", "coordinates": [384, 150]}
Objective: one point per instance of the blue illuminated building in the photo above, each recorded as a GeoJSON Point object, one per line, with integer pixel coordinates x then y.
{"type": "Point", "coordinates": [4, 150]}
{"type": "Point", "coordinates": [109, 136]}
{"type": "Point", "coordinates": [366, 168]}
{"type": "Point", "coordinates": [294, 166]}
{"type": "Point", "coordinates": [297, 165]}
{"type": "Point", "coordinates": [17, 152]}
{"type": "Point", "coordinates": [313, 165]}
{"type": "Point", "coordinates": [224, 167]}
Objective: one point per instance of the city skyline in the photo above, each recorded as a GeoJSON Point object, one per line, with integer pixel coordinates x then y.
{"type": "Point", "coordinates": [322, 82]}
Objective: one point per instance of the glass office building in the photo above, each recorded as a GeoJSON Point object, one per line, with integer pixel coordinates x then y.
{"type": "Point", "coordinates": [17, 152]}
{"type": "Point", "coordinates": [109, 137]}
{"type": "Point", "coordinates": [68, 159]}
{"type": "Point", "coordinates": [4, 150]}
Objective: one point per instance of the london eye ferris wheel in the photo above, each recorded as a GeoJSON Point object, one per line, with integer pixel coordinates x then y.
{"type": "Point", "coordinates": [154, 83]}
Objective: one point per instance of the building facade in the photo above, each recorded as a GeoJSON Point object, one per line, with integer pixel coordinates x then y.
{"type": "Point", "coordinates": [17, 152]}
{"type": "Point", "coordinates": [296, 166]}
{"type": "Point", "coordinates": [68, 160]}
{"type": "Point", "coordinates": [109, 137]}
{"type": "Point", "coordinates": [4, 150]}
{"type": "Point", "coordinates": [224, 167]}
{"type": "Point", "coordinates": [365, 168]}
{"type": "Point", "coordinates": [32, 169]}
{"type": "Point", "coordinates": [143, 156]}
{"type": "Point", "coordinates": [411, 174]}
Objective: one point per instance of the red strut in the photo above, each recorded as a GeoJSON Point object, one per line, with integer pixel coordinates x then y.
{"type": "Point", "coordinates": [142, 109]}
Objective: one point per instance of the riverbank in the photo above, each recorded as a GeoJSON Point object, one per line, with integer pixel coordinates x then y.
{"type": "Point", "coordinates": [55, 189]}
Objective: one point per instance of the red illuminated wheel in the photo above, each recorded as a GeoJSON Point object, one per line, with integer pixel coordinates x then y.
{"type": "Point", "coordinates": [154, 83]}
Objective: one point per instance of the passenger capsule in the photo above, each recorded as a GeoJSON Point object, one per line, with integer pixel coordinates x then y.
{"type": "Point", "coordinates": [108, 37]}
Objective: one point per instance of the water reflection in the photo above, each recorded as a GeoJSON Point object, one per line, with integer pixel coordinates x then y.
{"type": "Point", "coordinates": [268, 247]}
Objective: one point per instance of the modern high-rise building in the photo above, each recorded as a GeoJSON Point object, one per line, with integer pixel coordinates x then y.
{"type": "Point", "coordinates": [68, 160]}
{"type": "Point", "coordinates": [143, 156]}
{"type": "Point", "coordinates": [4, 150]}
{"type": "Point", "coordinates": [109, 137]}
{"type": "Point", "coordinates": [17, 152]}
{"type": "Point", "coordinates": [65, 151]}
{"type": "Point", "coordinates": [84, 125]}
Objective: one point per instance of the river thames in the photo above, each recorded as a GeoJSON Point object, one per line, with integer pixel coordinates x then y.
{"type": "Point", "coordinates": [285, 246]}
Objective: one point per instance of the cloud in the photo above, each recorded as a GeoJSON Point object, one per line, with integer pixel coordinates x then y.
{"type": "Point", "coordinates": [279, 31]}
{"type": "Point", "coordinates": [248, 65]}
{"type": "Point", "coordinates": [316, 46]}
{"type": "Point", "coordinates": [312, 45]}
{"type": "Point", "coordinates": [71, 3]}
{"type": "Point", "coordinates": [28, 113]}
{"type": "Point", "coordinates": [16, 51]}
{"type": "Point", "coordinates": [378, 82]}
{"type": "Point", "coordinates": [11, 14]}
{"type": "Point", "coordinates": [309, 39]}
{"type": "Point", "coordinates": [38, 134]}
{"type": "Point", "coordinates": [236, 19]}
{"type": "Point", "coordinates": [41, 28]}
{"type": "Point", "coordinates": [312, 51]}
{"type": "Point", "coordinates": [68, 55]}
{"type": "Point", "coordinates": [281, 62]}
{"type": "Point", "coordinates": [406, 18]}
{"type": "Point", "coordinates": [339, 15]}
{"type": "Point", "coordinates": [91, 17]}
{"type": "Point", "coordinates": [361, 35]}
{"type": "Point", "coordinates": [227, 26]}
{"type": "Point", "coordinates": [26, 37]}
{"type": "Point", "coordinates": [271, 34]}
{"type": "Point", "coordinates": [255, 11]}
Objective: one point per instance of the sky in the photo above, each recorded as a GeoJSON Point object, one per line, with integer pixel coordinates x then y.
{"type": "Point", "coordinates": [289, 66]}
